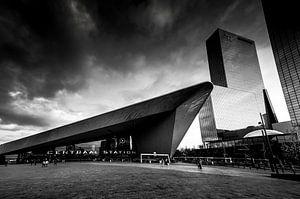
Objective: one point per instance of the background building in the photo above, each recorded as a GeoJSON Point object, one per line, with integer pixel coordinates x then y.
{"type": "Point", "coordinates": [283, 25]}
{"type": "Point", "coordinates": [237, 98]}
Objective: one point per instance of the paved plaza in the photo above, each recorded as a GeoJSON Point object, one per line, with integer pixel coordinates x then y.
{"type": "Point", "coordinates": [128, 180]}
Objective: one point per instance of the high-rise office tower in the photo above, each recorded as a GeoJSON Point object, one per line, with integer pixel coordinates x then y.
{"type": "Point", "coordinates": [237, 98]}
{"type": "Point", "coordinates": [282, 18]}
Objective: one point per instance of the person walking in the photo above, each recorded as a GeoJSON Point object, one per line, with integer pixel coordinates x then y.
{"type": "Point", "coordinates": [199, 164]}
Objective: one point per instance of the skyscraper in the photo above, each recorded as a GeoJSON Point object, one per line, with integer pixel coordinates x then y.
{"type": "Point", "coordinates": [237, 98]}
{"type": "Point", "coordinates": [282, 18]}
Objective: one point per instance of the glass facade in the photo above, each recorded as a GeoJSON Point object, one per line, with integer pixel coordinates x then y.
{"type": "Point", "coordinates": [237, 98]}
{"type": "Point", "coordinates": [207, 122]}
{"type": "Point", "coordinates": [227, 109]}
{"type": "Point", "coordinates": [284, 32]}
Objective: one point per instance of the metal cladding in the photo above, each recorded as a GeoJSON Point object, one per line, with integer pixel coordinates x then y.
{"type": "Point", "coordinates": [157, 125]}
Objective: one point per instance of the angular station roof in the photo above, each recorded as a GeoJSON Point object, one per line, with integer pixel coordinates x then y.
{"type": "Point", "coordinates": [183, 102]}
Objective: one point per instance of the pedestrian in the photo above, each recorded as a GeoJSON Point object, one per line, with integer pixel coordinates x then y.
{"type": "Point", "coordinates": [199, 164]}
{"type": "Point", "coordinates": [167, 162]}
{"type": "Point", "coordinates": [55, 161]}
{"type": "Point", "coordinates": [292, 167]}
{"type": "Point", "coordinates": [45, 163]}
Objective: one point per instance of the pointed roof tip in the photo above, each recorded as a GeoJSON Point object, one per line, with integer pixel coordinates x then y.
{"type": "Point", "coordinates": [210, 84]}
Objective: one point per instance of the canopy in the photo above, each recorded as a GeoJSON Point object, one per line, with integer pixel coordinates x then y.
{"type": "Point", "coordinates": [258, 133]}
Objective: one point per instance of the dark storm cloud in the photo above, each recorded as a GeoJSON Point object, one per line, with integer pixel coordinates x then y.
{"type": "Point", "coordinates": [151, 28]}
{"type": "Point", "coordinates": [21, 119]}
{"type": "Point", "coordinates": [158, 28]}
{"type": "Point", "coordinates": [37, 40]}
{"type": "Point", "coordinates": [38, 53]}
{"type": "Point", "coordinates": [44, 44]}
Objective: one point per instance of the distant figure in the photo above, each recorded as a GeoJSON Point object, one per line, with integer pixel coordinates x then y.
{"type": "Point", "coordinates": [55, 162]}
{"type": "Point", "coordinates": [5, 163]}
{"type": "Point", "coordinates": [199, 164]}
{"type": "Point", "coordinates": [281, 164]}
{"type": "Point", "coordinates": [167, 162]}
{"type": "Point", "coordinates": [45, 163]}
{"type": "Point", "coordinates": [292, 167]}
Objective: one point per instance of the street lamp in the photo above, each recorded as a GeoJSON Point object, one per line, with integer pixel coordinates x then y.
{"type": "Point", "coordinates": [271, 154]}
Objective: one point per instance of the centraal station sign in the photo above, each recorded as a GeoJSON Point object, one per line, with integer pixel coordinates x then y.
{"type": "Point", "coordinates": [85, 152]}
{"type": "Point", "coordinates": [118, 152]}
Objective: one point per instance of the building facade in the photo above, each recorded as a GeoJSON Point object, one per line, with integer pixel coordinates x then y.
{"type": "Point", "coordinates": [237, 98]}
{"type": "Point", "coordinates": [155, 125]}
{"type": "Point", "coordinates": [283, 25]}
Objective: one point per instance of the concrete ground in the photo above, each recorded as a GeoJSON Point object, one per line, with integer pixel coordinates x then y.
{"type": "Point", "coordinates": [129, 180]}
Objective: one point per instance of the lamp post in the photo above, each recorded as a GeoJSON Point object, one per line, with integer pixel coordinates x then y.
{"type": "Point", "coordinates": [271, 154]}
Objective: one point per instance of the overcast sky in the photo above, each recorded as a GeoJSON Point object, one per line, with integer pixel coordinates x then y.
{"type": "Point", "coordinates": [62, 61]}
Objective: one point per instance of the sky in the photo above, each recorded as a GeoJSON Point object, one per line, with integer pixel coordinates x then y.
{"type": "Point", "coordinates": [65, 60]}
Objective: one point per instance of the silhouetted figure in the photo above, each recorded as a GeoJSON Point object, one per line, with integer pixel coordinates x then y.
{"type": "Point", "coordinates": [199, 164]}
{"type": "Point", "coordinates": [45, 163]}
{"type": "Point", "coordinates": [166, 161]}
{"type": "Point", "coordinates": [292, 167]}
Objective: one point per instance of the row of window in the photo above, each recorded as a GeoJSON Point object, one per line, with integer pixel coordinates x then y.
{"type": "Point", "coordinates": [289, 79]}
{"type": "Point", "coordinates": [289, 61]}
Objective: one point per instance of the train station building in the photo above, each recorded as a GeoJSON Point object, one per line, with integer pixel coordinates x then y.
{"type": "Point", "coordinates": [153, 126]}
